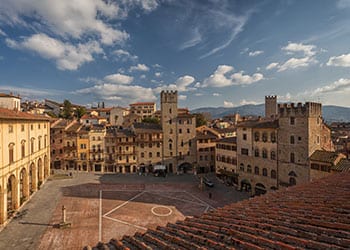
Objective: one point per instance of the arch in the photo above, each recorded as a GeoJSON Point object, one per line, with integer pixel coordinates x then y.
{"type": "Point", "coordinates": [273, 174]}
{"type": "Point", "coordinates": [241, 167]}
{"type": "Point", "coordinates": [46, 167]}
{"type": "Point", "coordinates": [292, 173]}
{"type": "Point", "coordinates": [264, 172]}
{"type": "Point", "coordinates": [292, 181]}
{"type": "Point", "coordinates": [256, 170]}
{"type": "Point", "coordinates": [249, 169]}
{"type": "Point", "coordinates": [40, 171]}
{"type": "Point", "coordinates": [185, 167]}
{"type": "Point", "coordinates": [260, 189]}
{"type": "Point", "coordinates": [32, 178]}
{"type": "Point", "coordinates": [23, 186]}
{"type": "Point", "coordinates": [245, 185]}
{"type": "Point", "coordinates": [12, 194]}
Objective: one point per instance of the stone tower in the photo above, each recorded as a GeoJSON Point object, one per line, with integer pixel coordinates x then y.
{"type": "Point", "coordinates": [299, 135]}
{"type": "Point", "coordinates": [169, 113]}
{"type": "Point", "coordinates": [270, 106]}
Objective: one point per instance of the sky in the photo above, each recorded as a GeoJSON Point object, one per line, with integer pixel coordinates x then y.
{"type": "Point", "coordinates": [215, 53]}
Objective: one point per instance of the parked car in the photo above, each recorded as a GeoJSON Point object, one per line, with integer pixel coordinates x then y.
{"type": "Point", "coordinates": [208, 182]}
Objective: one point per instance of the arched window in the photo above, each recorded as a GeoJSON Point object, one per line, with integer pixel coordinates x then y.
{"type": "Point", "coordinates": [292, 157]}
{"type": "Point", "coordinates": [256, 152]}
{"type": "Point", "coordinates": [273, 137]}
{"type": "Point", "coordinates": [256, 170]}
{"type": "Point", "coordinates": [150, 154]}
{"type": "Point", "coordinates": [249, 169]}
{"type": "Point", "coordinates": [264, 137]}
{"type": "Point", "coordinates": [273, 155]}
{"type": "Point", "coordinates": [273, 174]}
{"type": "Point", "coordinates": [256, 136]}
{"type": "Point", "coordinates": [264, 172]}
{"type": "Point", "coordinates": [241, 167]}
{"type": "Point", "coordinates": [11, 152]}
{"type": "Point", "coordinates": [264, 153]}
{"type": "Point", "coordinates": [32, 145]}
{"type": "Point", "coordinates": [39, 142]}
{"type": "Point", "coordinates": [292, 181]}
{"type": "Point", "coordinates": [23, 148]}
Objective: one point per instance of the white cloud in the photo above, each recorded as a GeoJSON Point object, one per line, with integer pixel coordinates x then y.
{"type": "Point", "coordinates": [228, 104]}
{"type": "Point", "coordinates": [124, 93]}
{"type": "Point", "coordinates": [146, 5]}
{"type": "Point", "coordinates": [182, 84]}
{"type": "Point", "coordinates": [124, 55]}
{"type": "Point", "coordinates": [216, 94]}
{"type": "Point", "coordinates": [119, 79]}
{"type": "Point", "coordinates": [222, 78]}
{"type": "Point", "coordinates": [139, 67]}
{"type": "Point", "coordinates": [2, 33]}
{"type": "Point", "coordinates": [66, 55]}
{"type": "Point", "coordinates": [77, 19]}
{"type": "Point", "coordinates": [341, 61]}
{"type": "Point", "coordinates": [294, 63]}
{"type": "Point", "coordinates": [158, 74]}
{"type": "Point", "coordinates": [337, 86]}
{"type": "Point", "coordinates": [342, 4]}
{"type": "Point", "coordinates": [272, 66]}
{"type": "Point", "coordinates": [142, 76]}
{"type": "Point", "coordinates": [245, 102]}
{"type": "Point", "coordinates": [193, 41]}
{"type": "Point", "coordinates": [255, 53]}
{"type": "Point", "coordinates": [307, 50]}
{"type": "Point", "coordinates": [182, 97]}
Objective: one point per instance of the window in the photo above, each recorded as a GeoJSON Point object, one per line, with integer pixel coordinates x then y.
{"type": "Point", "coordinates": [273, 137]}
{"type": "Point", "coordinates": [201, 157]}
{"type": "Point", "coordinates": [180, 121]}
{"type": "Point", "coordinates": [158, 145]}
{"type": "Point", "coordinates": [264, 172]}
{"type": "Point", "coordinates": [249, 169]}
{"type": "Point", "coordinates": [256, 152]}
{"type": "Point", "coordinates": [22, 127]}
{"type": "Point", "coordinates": [142, 145]}
{"type": "Point", "coordinates": [318, 139]}
{"type": "Point", "coordinates": [188, 131]}
{"type": "Point", "coordinates": [10, 128]}
{"type": "Point", "coordinates": [244, 137]}
{"type": "Point", "coordinates": [38, 126]}
{"type": "Point", "coordinates": [256, 170]}
{"type": "Point", "coordinates": [273, 174]}
{"type": "Point", "coordinates": [11, 152]}
{"type": "Point", "coordinates": [244, 151]}
{"type": "Point", "coordinates": [150, 145]}
{"type": "Point", "coordinates": [264, 153]}
{"type": "Point", "coordinates": [256, 136]}
{"type": "Point", "coordinates": [32, 146]}
{"type": "Point", "coordinates": [171, 131]}
{"type": "Point", "coordinates": [273, 155]}
{"type": "Point", "coordinates": [31, 127]}
{"type": "Point", "coordinates": [150, 154]}
{"type": "Point", "coordinates": [292, 157]}
{"type": "Point", "coordinates": [180, 131]}
{"type": "Point", "coordinates": [170, 121]}
{"type": "Point", "coordinates": [170, 146]}
{"type": "Point", "coordinates": [158, 154]}
{"type": "Point", "coordinates": [182, 143]}
{"type": "Point", "coordinates": [39, 142]}
{"type": "Point", "coordinates": [292, 139]}
{"type": "Point", "coordinates": [241, 167]}
{"type": "Point", "coordinates": [23, 149]}
{"type": "Point", "coordinates": [264, 137]}
{"type": "Point", "coordinates": [292, 181]}
{"type": "Point", "coordinates": [169, 111]}
{"type": "Point", "coordinates": [190, 143]}
{"type": "Point", "coordinates": [292, 120]}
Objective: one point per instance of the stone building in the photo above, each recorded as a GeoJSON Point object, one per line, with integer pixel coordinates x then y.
{"type": "Point", "coordinates": [9, 101]}
{"type": "Point", "coordinates": [149, 140]}
{"type": "Point", "coordinates": [25, 147]}
{"type": "Point", "coordinates": [226, 160]}
{"type": "Point", "coordinates": [96, 143]}
{"type": "Point", "coordinates": [83, 148]}
{"type": "Point", "coordinates": [179, 132]}
{"type": "Point", "coordinates": [257, 155]}
{"type": "Point", "coordinates": [126, 154]}
{"type": "Point", "coordinates": [117, 115]}
{"type": "Point", "coordinates": [206, 139]}
{"type": "Point", "coordinates": [143, 109]}
{"type": "Point", "coordinates": [57, 132]}
{"type": "Point", "coordinates": [70, 145]}
{"type": "Point", "coordinates": [274, 151]}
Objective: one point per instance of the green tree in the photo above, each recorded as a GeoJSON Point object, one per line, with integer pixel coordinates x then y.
{"type": "Point", "coordinates": [200, 119]}
{"type": "Point", "coordinates": [151, 120]}
{"type": "Point", "coordinates": [79, 112]}
{"type": "Point", "coordinates": [67, 111]}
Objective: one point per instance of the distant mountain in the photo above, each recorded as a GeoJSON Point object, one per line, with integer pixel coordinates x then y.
{"type": "Point", "coordinates": [330, 113]}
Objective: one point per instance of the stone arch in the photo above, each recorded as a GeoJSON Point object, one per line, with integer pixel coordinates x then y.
{"type": "Point", "coordinates": [260, 189]}
{"type": "Point", "coordinates": [12, 194]}
{"type": "Point", "coordinates": [46, 167]}
{"type": "Point", "coordinates": [245, 185]}
{"type": "Point", "coordinates": [185, 167]}
{"type": "Point", "coordinates": [40, 171]}
{"type": "Point", "coordinates": [23, 185]}
{"type": "Point", "coordinates": [33, 185]}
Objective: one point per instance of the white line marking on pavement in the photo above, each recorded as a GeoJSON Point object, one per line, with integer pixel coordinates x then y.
{"type": "Point", "coordinates": [123, 204]}
{"type": "Point", "coordinates": [125, 223]}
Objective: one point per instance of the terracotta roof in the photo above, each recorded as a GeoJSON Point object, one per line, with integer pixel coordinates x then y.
{"type": "Point", "coordinates": [141, 103]}
{"type": "Point", "coordinates": [17, 115]}
{"type": "Point", "coordinates": [311, 216]}
{"type": "Point", "coordinates": [259, 124]}
{"type": "Point", "coordinates": [9, 95]}
{"type": "Point", "coordinates": [342, 166]}
{"type": "Point", "coordinates": [147, 127]}
{"type": "Point", "coordinates": [324, 156]}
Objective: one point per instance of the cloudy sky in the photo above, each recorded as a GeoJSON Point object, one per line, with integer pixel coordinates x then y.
{"type": "Point", "coordinates": [214, 52]}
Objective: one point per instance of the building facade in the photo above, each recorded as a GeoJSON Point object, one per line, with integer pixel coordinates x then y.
{"type": "Point", "coordinates": [25, 160]}
{"type": "Point", "coordinates": [143, 109]}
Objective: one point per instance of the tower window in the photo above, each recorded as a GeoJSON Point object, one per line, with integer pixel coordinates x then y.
{"type": "Point", "coordinates": [292, 120]}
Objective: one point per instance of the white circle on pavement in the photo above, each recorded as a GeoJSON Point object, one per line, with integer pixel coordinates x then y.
{"type": "Point", "coordinates": [158, 214]}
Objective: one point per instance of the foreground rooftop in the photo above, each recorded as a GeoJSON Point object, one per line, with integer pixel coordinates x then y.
{"type": "Point", "coordinates": [311, 216]}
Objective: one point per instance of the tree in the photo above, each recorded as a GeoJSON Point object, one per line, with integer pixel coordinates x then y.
{"type": "Point", "coordinates": [153, 120]}
{"type": "Point", "coordinates": [66, 113]}
{"type": "Point", "coordinates": [79, 112]}
{"type": "Point", "coordinates": [200, 119]}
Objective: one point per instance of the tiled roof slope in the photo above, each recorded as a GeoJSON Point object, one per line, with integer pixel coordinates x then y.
{"type": "Point", "coordinates": [311, 216]}
{"type": "Point", "coordinates": [324, 156]}
{"type": "Point", "coordinates": [18, 115]}
{"type": "Point", "coordinates": [342, 166]}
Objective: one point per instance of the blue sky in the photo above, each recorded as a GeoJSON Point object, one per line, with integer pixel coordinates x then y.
{"type": "Point", "coordinates": [214, 52]}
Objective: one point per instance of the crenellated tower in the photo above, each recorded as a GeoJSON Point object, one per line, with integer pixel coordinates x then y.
{"type": "Point", "coordinates": [270, 106]}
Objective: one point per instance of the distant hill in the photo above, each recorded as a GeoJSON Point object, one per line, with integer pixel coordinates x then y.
{"type": "Point", "coordinates": [330, 113]}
